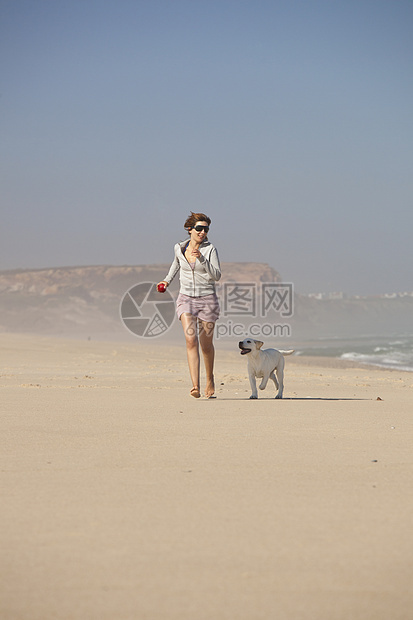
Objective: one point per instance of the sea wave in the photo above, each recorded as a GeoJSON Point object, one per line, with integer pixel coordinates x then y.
{"type": "Point", "coordinates": [393, 352]}
{"type": "Point", "coordinates": [396, 362]}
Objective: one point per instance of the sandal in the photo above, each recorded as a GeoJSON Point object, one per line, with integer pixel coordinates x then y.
{"type": "Point", "coordinates": [195, 392]}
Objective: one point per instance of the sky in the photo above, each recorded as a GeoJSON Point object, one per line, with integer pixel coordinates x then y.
{"type": "Point", "coordinates": [288, 122]}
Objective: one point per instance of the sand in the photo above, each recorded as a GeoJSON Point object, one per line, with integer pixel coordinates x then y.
{"type": "Point", "coordinates": [123, 498]}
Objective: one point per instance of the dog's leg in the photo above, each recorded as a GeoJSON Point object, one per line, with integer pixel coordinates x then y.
{"type": "Point", "coordinates": [253, 384]}
{"type": "Point", "coordinates": [264, 382]}
{"type": "Point", "coordinates": [274, 378]}
{"type": "Point", "coordinates": [280, 376]}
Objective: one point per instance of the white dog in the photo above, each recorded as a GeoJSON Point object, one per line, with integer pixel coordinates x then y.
{"type": "Point", "coordinates": [262, 364]}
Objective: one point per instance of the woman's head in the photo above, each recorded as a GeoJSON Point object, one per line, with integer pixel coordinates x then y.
{"type": "Point", "coordinates": [193, 220]}
{"type": "Point", "coordinates": [198, 223]}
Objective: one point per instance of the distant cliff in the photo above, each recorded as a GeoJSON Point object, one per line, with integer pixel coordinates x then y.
{"type": "Point", "coordinates": [85, 300]}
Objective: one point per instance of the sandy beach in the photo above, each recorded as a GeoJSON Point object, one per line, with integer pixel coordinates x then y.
{"type": "Point", "coordinates": [123, 498]}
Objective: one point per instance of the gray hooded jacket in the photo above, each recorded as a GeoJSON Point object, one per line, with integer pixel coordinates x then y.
{"type": "Point", "coordinates": [199, 281]}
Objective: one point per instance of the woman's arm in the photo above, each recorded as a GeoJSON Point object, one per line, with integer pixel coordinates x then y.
{"type": "Point", "coordinates": [173, 270]}
{"type": "Point", "coordinates": [211, 265]}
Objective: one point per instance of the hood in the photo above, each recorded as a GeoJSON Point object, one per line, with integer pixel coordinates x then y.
{"type": "Point", "coordinates": [204, 244]}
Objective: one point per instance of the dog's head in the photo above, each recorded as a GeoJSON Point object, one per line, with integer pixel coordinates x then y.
{"type": "Point", "coordinates": [248, 345]}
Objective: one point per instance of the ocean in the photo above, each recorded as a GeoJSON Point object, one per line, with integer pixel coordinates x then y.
{"type": "Point", "coordinates": [395, 352]}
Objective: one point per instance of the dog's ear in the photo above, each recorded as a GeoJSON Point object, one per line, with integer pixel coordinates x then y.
{"type": "Point", "coordinates": [258, 343]}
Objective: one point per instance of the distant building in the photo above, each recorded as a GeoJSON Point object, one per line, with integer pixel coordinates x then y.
{"type": "Point", "coordinates": [334, 295]}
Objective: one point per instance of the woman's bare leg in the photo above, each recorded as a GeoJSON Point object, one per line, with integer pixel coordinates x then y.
{"type": "Point", "coordinates": [192, 350]}
{"type": "Point", "coordinates": [206, 337]}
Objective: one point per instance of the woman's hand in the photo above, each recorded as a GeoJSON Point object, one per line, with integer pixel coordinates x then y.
{"type": "Point", "coordinates": [162, 286]}
{"type": "Point", "coordinates": [195, 254]}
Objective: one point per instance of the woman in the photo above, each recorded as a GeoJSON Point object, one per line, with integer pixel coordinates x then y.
{"type": "Point", "coordinates": [197, 305]}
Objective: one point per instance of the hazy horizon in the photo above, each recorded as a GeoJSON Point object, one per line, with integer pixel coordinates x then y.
{"type": "Point", "coordinates": [288, 123]}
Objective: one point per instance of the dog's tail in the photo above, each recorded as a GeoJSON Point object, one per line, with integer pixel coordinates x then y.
{"type": "Point", "coordinates": [289, 352]}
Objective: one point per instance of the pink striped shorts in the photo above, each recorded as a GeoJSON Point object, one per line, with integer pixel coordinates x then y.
{"type": "Point", "coordinates": [205, 308]}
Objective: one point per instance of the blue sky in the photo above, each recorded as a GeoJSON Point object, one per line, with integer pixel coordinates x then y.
{"type": "Point", "coordinates": [288, 122]}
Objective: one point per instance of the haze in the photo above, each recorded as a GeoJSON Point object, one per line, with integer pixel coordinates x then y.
{"type": "Point", "coordinates": [288, 122]}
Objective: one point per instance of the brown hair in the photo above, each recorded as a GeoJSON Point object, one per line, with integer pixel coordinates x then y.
{"type": "Point", "coordinates": [194, 218]}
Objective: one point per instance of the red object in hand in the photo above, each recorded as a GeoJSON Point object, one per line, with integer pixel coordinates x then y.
{"type": "Point", "coordinates": [161, 287]}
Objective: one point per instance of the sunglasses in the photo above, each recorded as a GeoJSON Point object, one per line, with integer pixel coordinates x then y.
{"type": "Point", "coordinates": [199, 228]}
